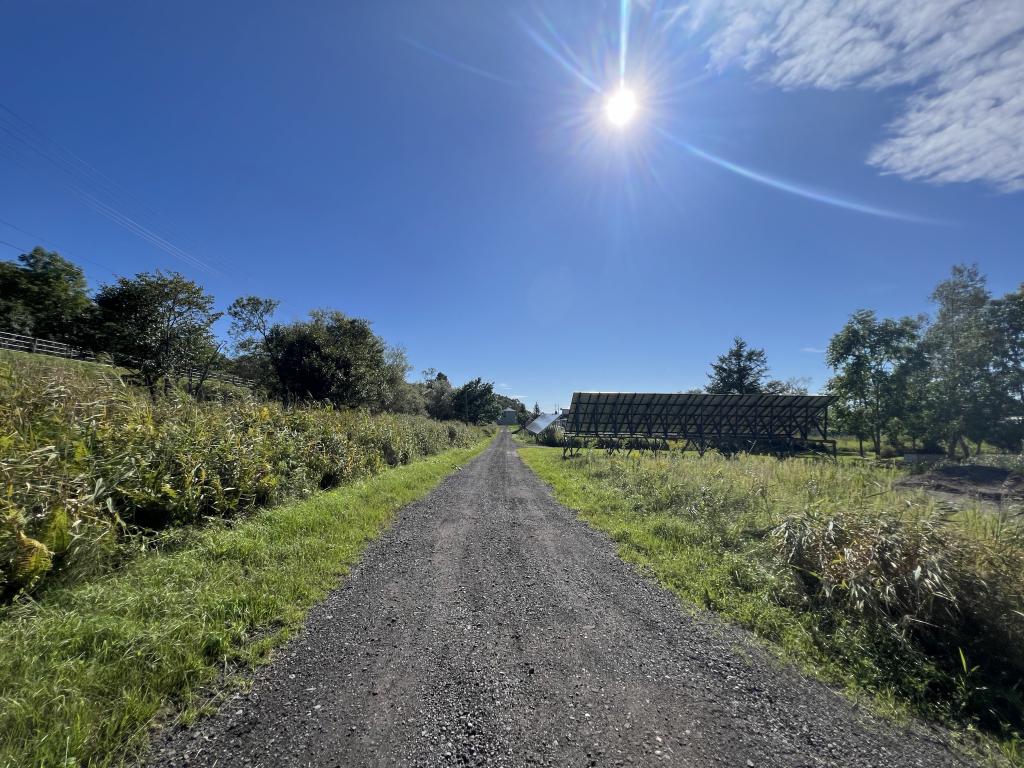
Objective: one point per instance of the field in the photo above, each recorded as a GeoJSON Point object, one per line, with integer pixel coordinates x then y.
{"type": "Point", "coordinates": [878, 591]}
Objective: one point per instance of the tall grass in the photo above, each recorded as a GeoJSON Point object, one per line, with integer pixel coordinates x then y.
{"type": "Point", "coordinates": [87, 669]}
{"type": "Point", "coordinates": [90, 468]}
{"type": "Point", "coordinates": [876, 589]}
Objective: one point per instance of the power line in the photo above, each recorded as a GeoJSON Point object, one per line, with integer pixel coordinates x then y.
{"type": "Point", "coordinates": [12, 245]}
{"type": "Point", "coordinates": [111, 186]}
{"type": "Point", "coordinates": [89, 185]}
{"type": "Point", "coordinates": [92, 187]}
{"type": "Point", "coordinates": [52, 244]}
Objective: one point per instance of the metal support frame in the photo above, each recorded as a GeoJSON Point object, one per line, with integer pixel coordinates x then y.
{"type": "Point", "coordinates": [784, 425]}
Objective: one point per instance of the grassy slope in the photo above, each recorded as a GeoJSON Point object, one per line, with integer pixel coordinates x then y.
{"type": "Point", "coordinates": [84, 672]}
{"type": "Point", "coordinates": [712, 571]}
{"type": "Point", "coordinates": [16, 357]}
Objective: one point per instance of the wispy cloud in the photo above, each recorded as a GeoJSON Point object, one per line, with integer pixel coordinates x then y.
{"type": "Point", "coordinates": [812, 350]}
{"type": "Point", "coordinates": [963, 60]}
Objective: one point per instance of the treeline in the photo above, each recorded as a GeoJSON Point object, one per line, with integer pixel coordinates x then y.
{"type": "Point", "coordinates": [160, 324]}
{"type": "Point", "coordinates": [935, 383]}
{"type": "Point", "coordinates": [948, 383]}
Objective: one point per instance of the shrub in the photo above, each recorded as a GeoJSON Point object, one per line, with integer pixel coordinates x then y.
{"type": "Point", "coordinates": [88, 465]}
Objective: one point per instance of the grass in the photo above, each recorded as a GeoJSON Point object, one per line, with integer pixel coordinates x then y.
{"type": "Point", "coordinates": [15, 357]}
{"type": "Point", "coordinates": [86, 671]}
{"type": "Point", "coordinates": [876, 591]}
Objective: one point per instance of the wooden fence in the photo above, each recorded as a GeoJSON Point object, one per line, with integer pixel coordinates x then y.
{"type": "Point", "coordinates": [21, 343]}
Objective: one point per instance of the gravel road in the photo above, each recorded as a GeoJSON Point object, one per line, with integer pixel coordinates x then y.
{"type": "Point", "coordinates": [489, 626]}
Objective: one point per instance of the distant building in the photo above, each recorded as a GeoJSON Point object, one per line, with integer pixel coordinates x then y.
{"type": "Point", "coordinates": [508, 417]}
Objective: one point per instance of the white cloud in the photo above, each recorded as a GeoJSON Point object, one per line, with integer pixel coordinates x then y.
{"type": "Point", "coordinates": [812, 350]}
{"type": "Point", "coordinates": [963, 60]}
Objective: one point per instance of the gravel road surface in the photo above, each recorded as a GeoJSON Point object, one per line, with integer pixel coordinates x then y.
{"type": "Point", "coordinates": [488, 626]}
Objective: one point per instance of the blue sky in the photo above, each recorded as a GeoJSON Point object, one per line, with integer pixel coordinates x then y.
{"type": "Point", "coordinates": [446, 169]}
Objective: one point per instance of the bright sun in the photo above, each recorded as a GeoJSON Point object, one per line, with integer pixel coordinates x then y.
{"type": "Point", "coordinates": [621, 107]}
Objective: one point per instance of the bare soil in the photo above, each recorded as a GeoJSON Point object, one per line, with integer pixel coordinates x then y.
{"type": "Point", "coordinates": [489, 626]}
{"type": "Point", "coordinates": [992, 486]}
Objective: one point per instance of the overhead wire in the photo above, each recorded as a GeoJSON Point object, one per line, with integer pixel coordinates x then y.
{"type": "Point", "coordinates": [89, 185]}
{"type": "Point", "coordinates": [45, 241]}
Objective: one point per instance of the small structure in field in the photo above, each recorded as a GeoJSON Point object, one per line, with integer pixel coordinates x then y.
{"type": "Point", "coordinates": [508, 417]}
{"type": "Point", "coordinates": [758, 422]}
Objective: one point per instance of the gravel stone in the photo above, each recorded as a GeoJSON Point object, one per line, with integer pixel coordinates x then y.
{"type": "Point", "coordinates": [490, 627]}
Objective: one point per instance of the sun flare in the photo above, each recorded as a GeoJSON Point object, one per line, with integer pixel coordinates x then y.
{"type": "Point", "coordinates": [621, 107]}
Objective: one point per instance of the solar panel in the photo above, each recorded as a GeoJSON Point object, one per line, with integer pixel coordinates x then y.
{"type": "Point", "coordinates": [541, 423]}
{"type": "Point", "coordinates": [703, 420]}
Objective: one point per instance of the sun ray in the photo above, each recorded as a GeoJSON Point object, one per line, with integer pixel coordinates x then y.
{"type": "Point", "coordinates": [553, 31]}
{"type": "Point", "coordinates": [448, 59]}
{"type": "Point", "coordinates": [624, 9]}
{"type": "Point", "coordinates": [567, 65]}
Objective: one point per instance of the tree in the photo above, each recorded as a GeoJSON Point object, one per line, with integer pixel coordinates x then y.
{"type": "Point", "coordinates": [963, 389]}
{"type": "Point", "coordinates": [437, 394]}
{"type": "Point", "coordinates": [869, 356]}
{"type": "Point", "coordinates": [46, 296]}
{"type": "Point", "coordinates": [1007, 323]}
{"type": "Point", "coordinates": [400, 396]}
{"type": "Point", "coordinates": [912, 416]}
{"type": "Point", "coordinates": [536, 410]}
{"type": "Point", "coordinates": [739, 371]}
{"type": "Point", "coordinates": [157, 324]}
{"type": "Point", "coordinates": [330, 357]}
{"type": "Point", "coordinates": [474, 402]}
{"type": "Point", "coordinates": [250, 321]}
{"type": "Point", "coordinates": [794, 385]}
{"type": "Point", "coordinates": [250, 324]}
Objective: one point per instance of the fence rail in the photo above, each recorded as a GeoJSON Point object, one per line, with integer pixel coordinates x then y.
{"type": "Point", "coordinates": [20, 343]}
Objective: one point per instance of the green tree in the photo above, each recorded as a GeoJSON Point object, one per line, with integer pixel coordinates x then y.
{"type": "Point", "coordinates": [400, 396]}
{"type": "Point", "coordinates": [474, 402]}
{"type": "Point", "coordinates": [250, 321]}
{"type": "Point", "coordinates": [868, 356]}
{"type": "Point", "coordinates": [739, 371]}
{"type": "Point", "coordinates": [912, 417]}
{"type": "Point", "coordinates": [1006, 320]}
{"type": "Point", "coordinates": [963, 389]}
{"type": "Point", "coordinates": [156, 323]}
{"type": "Point", "coordinates": [46, 296]}
{"type": "Point", "coordinates": [331, 357]}
{"type": "Point", "coordinates": [794, 385]}
{"type": "Point", "coordinates": [437, 394]}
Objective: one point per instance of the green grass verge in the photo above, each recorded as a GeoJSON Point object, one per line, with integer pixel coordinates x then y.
{"type": "Point", "coordinates": [84, 672]}
{"type": "Point", "coordinates": [709, 530]}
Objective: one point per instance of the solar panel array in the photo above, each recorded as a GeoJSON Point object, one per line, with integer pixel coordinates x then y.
{"type": "Point", "coordinates": [704, 420]}
{"type": "Point", "coordinates": [541, 423]}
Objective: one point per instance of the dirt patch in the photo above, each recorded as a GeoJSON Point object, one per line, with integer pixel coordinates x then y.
{"type": "Point", "coordinates": [956, 483]}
